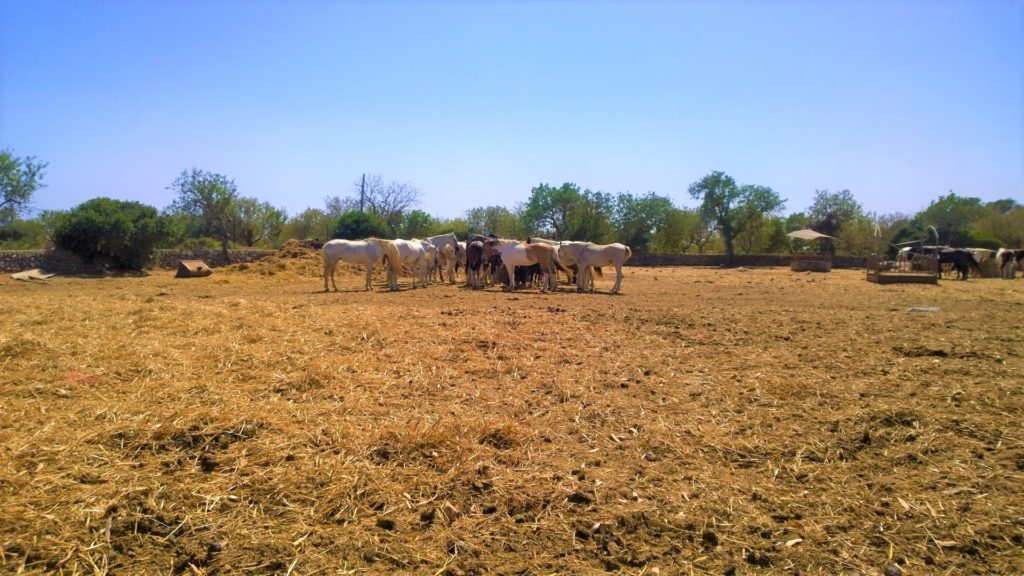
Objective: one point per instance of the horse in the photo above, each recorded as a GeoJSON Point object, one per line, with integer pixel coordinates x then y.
{"type": "Point", "coordinates": [1007, 261]}
{"type": "Point", "coordinates": [474, 262]}
{"type": "Point", "coordinates": [963, 261]}
{"type": "Point", "coordinates": [515, 253]}
{"type": "Point", "coordinates": [460, 257]}
{"type": "Point", "coordinates": [412, 253]}
{"type": "Point", "coordinates": [567, 257]}
{"type": "Point", "coordinates": [447, 261]}
{"type": "Point", "coordinates": [366, 252]}
{"type": "Point", "coordinates": [597, 256]}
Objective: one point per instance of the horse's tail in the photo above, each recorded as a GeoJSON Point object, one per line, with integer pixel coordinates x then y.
{"type": "Point", "coordinates": [394, 260]}
{"type": "Point", "coordinates": [629, 253]}
{"type": "Point", "coordinates": [557, 262]}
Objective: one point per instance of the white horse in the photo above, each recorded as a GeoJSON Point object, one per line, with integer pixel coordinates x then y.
{"type": "Point", "coordinates": [515, 253]}
{"type": "Point", "coordinates": [446, 261]}
{"type": "Point", "coordinates": [366, 252]}
{"type": "Point", "coordinates": [588, 255]}
{"type": "Point", "coordinates": [413, 254]}
{"type": "Point", "coordinates": [429, 262]}
{"type": "Point", "coordinates": [567, 256]}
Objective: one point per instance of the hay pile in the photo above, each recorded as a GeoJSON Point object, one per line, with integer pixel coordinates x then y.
{"type": "Point", "coordinates": [300, 248]}
{"type": "Point", "coordinates": [707, 421]}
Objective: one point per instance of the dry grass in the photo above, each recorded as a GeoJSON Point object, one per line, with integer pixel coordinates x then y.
{"type": "Point", "coordinates": [706, 422]}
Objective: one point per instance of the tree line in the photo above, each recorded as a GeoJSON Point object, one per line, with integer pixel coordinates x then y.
{"type": "Point", "coordinates": [209, 212]}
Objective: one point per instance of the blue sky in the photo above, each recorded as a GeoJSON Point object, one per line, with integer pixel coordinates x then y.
{"type": "Point", "coordinates": [475, 103]}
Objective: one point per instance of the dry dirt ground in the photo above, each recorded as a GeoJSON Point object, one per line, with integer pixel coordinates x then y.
{"type": "Point", "coordinates": [706, 421]}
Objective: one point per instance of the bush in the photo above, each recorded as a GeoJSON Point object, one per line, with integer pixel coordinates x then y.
{"type": "Point", "coordinates": [357, 225]}
{"type": "Point", "coordinates": [119, 232]}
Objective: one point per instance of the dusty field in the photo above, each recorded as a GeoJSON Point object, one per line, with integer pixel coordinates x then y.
{"type": "Point", "coordinates": [704, 422]}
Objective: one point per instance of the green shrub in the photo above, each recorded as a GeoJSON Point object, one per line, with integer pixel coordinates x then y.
{"type": "Point", "coordinates": [357, 225]}
{"type": "Point", "coordinates": [123, 234]}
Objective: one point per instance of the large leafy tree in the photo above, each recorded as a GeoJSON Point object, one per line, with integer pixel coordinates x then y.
{"type": "Point", "coordinates": [591, 221]}
{"type": "Point", "coordinates": [310, 223]}
{"type": "Point", "coordinates": [417, 224]}
{"type": "Point", "coordinates": [549, 210]}
{"type": "Point", "coordinates": [124, 233]}
{"type": "Point", "coordinates": [1003, 220]}
{"type": "Point", "coordinates": [210, 196]}
{"type": "Point", "coordinates": [19, 179]}
{"type": "Point", "coordinates": [682, 229]}
{"type": "Point", "coordinates": [731, 208]}
{"type": "Point", "coordinates": [495, 219]}
{"type": "Point", "coordinates": [833, 213]}
{"type": "Point", "coordinates": [638, 219]}
{"type": "Point", "coordinates": [257, 223]}
{"type": "Point", "coordinates": [952, 216]}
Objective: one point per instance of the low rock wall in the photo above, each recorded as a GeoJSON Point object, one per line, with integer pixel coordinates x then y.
{"type": "Point", "coordinates": [62, 262]}
{"type": "Point", "coordinates": [748, 260]}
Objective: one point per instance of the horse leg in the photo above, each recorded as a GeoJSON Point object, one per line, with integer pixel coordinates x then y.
{"type": "Point", "coordinates": [511, 277]}
{"type": "Point", "coordinates": [329, 269]}
{"type": "Point", "coordinates": [618, 279]}
{"type": "Point", "coordinates": [369, 277]}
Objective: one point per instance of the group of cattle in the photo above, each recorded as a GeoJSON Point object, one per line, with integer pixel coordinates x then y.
{"type": "Point", "coordinates": [964, 260]}
{"type": "Point", "coordinates": [537, 260]}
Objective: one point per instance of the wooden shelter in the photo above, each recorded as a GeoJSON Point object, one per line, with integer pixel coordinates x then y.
{"type": "Point", "coordinates": [820, 261]}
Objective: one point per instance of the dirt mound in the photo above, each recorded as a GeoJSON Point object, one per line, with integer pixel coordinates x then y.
{"type": "Point", "coordinates": [300, 248]}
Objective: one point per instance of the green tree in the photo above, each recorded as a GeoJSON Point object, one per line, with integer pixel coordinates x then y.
{"type": "Point", "coordinates": [19, 179]}
{"type": "Point", "coordinates": [309, 224]}
{"type": "Point", "coordinates": [952, 216]}
{"type": "Point", "coordinates": [637, 220]}
{"type": "Point", "coordinates": [210, 196]}
{"type": "Point", "coordinates": [417, 224]}
{"type": "Point", "coordinates": [549, 210]}
{"type": "Point", "coordinates": [592, 218]}
{"type": "Point", "coordinates": [733, 208]}
{"type": "Point", "coordinates": [24, 235]}
{"type": "Point", "coordinates": [683, 229]}
{"type": "Point", "coordinates": [124, 233]}
{"type": "Point", "coordinates": [356, 225]}
{"type": "Point", "coordinates": [765, 234]}
{"type": "Point", "coordinates": [460, 226]}
{"type": "Point", "coordinates": [833, 212]}
{"type": "Point", "coordinates": [495, 219]}
{"type": "Point", "coordinates": [256, 223]}
{"type": "Point", "coordinates": [1003, 221]}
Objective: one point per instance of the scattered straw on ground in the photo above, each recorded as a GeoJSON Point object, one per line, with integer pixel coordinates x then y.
{"type": "Point", "coordinates": [705, 421]}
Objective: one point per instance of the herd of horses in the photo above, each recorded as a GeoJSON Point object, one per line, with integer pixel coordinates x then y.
{"type": "Point", "coordinates": [964, 260]}
{"type": "Point", "coordinates": [487, 260]}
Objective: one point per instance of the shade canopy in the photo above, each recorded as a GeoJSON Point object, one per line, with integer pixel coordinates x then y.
{"type": "Point", "coordinates": [807, 235]}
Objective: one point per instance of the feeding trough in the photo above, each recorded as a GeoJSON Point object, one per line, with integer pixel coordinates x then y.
{"type": "Point", "coordinates": [810, 261]}
{"type": "Point", "coordinates": [193, 269]}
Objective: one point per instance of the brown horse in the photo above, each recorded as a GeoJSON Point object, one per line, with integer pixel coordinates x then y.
{"type": "Point", "coordinates": [515, 253]}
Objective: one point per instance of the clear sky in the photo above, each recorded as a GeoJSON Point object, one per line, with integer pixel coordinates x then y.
{"type": "Point", "coordinates": [477, 102]}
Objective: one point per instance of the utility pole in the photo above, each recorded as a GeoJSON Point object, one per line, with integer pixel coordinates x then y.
{"type": "Point", "coordinates": [362, 193]}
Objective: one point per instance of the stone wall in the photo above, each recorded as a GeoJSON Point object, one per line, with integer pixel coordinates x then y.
{"type": "Point", "coordinates": [748, 260]}
{"type": "Point", "coordinates": [212, 256]}
{"type": "Point", "coordinates": [62, 262]}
